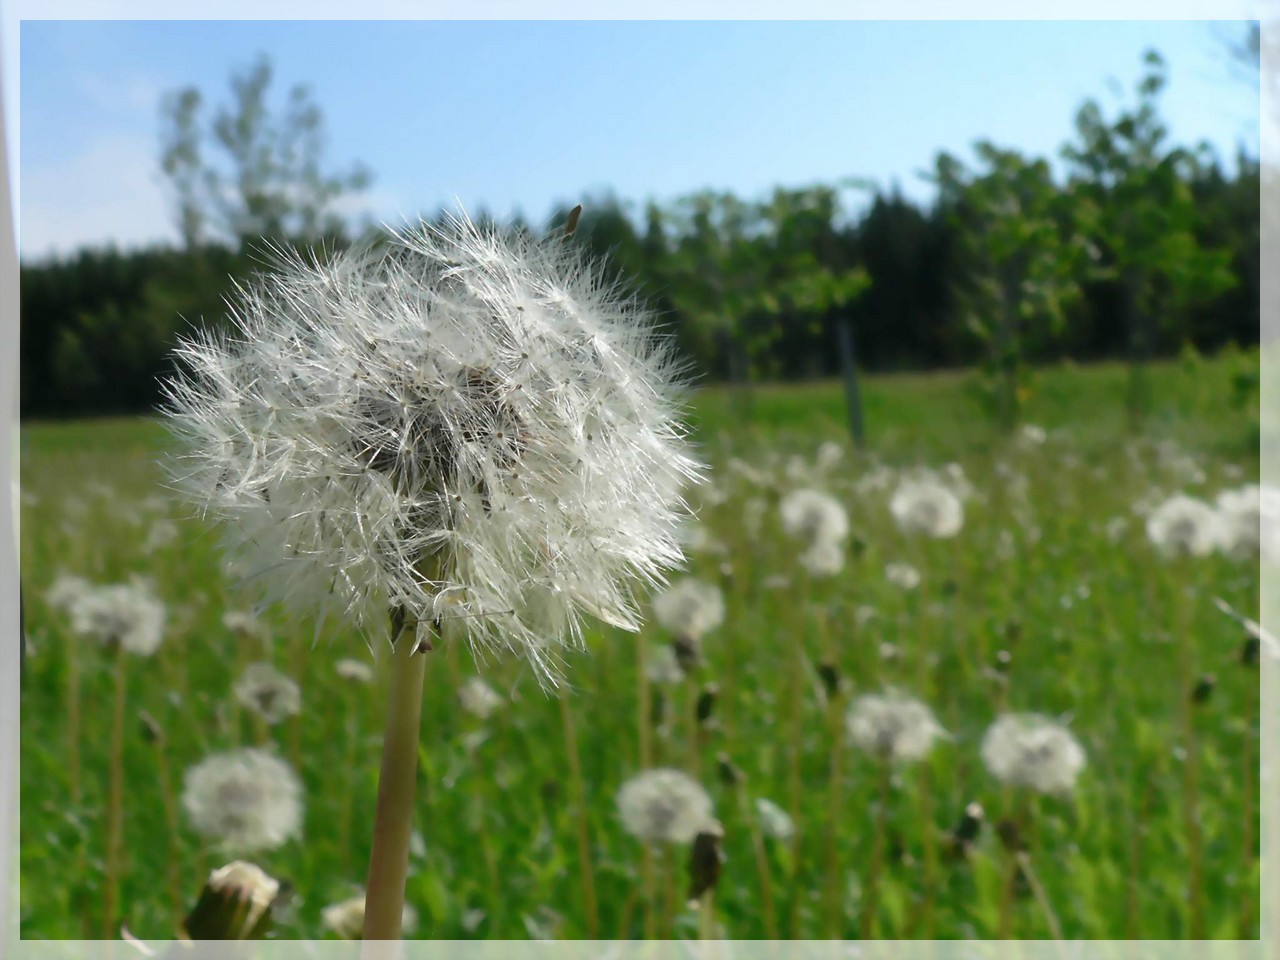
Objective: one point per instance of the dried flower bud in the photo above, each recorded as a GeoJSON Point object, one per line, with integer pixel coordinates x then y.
{"type": "Point", "coordinates": [1203, 689]}
{"type": "Point", "coordinates": [730, 775]}
{"type": "Point", "coordinates": [706, 703]}
{"type": "Point", "coordinates": [829, 673]}
{"type": "Point", "coordinates": [705, 862]}
{"type": "Point", "coordinates": [234, 905]}
{"type": "Point", "coordinates": [151, 731]}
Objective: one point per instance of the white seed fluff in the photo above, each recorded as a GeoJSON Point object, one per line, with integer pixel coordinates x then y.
{"type": "Point", "coordinates": [775, 822]}
{"type": "Point", "coordinates": [689, 608]}
{"type": "Point", "coordinates": [355, 671]}
{"type": "Point", "coordinates": [811, 515]}
{"type": "Point", "coordinates": [346, 918]}
{"type": "Point", "coordinates": [823, 558]}
{"type": "Point", "coordinates": [245, 800]}
{"type": "Point", "coordinates": [927, 507]}
{"type": "Point", "coordinates": [1240, 514]}
{"type": "Point", "coordinates": [268, 693]}
{"type": "Point", "coordinates": [456, 423]}
{"type": "Point", "coordinates": [128, 614]}
{"type": "Point", "coordinates": [478, 698]}
{"type": "Point", "coordinates": [1185, 526]}
{"type": "Point", "coordinates": [892, 726]}
{"type": "Point", "coordinates": [664, 805]}
{"type": "Point", "coordinates": [1028, 750]}
{"type": "Point", "coordinates": [902, 575]}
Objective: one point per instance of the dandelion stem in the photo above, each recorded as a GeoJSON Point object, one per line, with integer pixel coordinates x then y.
{"type": "Point", "coordinates": [115, 803]}
{"type": "Point", "coordinates": [762, 864]}
{"type": "Point", "coordinates": [707, 916]}
{"type": "Point", "coordinates": [835, 801]}
{"type": "Point", "coordinates": [1190, 778]}
{"type": "Point", "coordinates": [871, 889]}
{"type": "Point", "coordinates": [1037, 890]}
{"type": "Point", "coordinates": [589, 901]}
{"type": "Point", "coordinates": [393, 822]}
{"type": "Point", "coordinates": [73, 720]}
{"type": "Point", "coordinates": [171, 822]}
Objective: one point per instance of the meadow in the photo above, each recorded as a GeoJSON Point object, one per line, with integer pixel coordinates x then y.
{"type": "Point", "coordinates": [1050, 599]}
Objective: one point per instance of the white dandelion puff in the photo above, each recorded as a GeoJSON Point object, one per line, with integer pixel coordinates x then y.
{"type": "Point", "coordinates": [354, 671]}
{"type": "Point", "coordinates": [66, 590]}
{"type": "Point", "coordinates": [928, 508]}
{"type": "Point", "coordinates": [811, 515]}
{"type": "Point", "coordinates": [1185, 526]}
{"type": "Point", "coordinates": [268, 693]}
{"type": "Point", "coordinates": [346, 918]}
{"type": "Point", "coordinates": [823, 558]}
{"type": "Point", "coordinates": [125, 614]}
{"type": "Point", "coordinates": [663, 666]}
{"type": "Point", "coordinates": [892, 726]}
{"type": "Point", "coordinates": [664, 805]}
{"type": "Point", "coordinates": [457, 424]}
{"type": "Point", "coordinates": [1240, 514]}
{"type": "Point", "coordinates": [478, 698]}
{"type": "Point", "coordinates": [903, 575]}
{"type": "Point", "coordinates": [690, 608]}
{"type": "Point", "coordinates": [245, 800]}
{"type": "Point", "coordinates": [1029, 750]}
{"type": "Point", "coordinates": [775, 822]}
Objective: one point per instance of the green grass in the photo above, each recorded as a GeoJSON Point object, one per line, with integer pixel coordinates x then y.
{"type": "Point", "coordinates": [1092, 626]}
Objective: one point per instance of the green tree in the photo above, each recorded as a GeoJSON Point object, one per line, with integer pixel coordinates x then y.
{"type": "Point", "coordinates": [1021, 262]}
{"type": "Point", "coordinates": [1135, 202]}
{"type": "Point", "coordinates": [248, 171]}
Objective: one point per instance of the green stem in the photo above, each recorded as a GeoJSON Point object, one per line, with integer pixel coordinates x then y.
{"type": "Point", "coordinates": [589, 901]}
{"type": "Point", "coordinates": [393, 821]}
{"type": "Point", "coordinates": [115, 805]}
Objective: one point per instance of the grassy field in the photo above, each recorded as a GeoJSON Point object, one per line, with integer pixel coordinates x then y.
{"type": "Point", "coordinates": [1050, 600]}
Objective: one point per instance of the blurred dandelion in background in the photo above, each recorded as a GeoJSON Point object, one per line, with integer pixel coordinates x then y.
{"type": "Point", "coordinates": [244, 800]}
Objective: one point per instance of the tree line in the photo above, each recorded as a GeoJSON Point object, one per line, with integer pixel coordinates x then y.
{"type": "Point", "coordinates": [1137, 249]}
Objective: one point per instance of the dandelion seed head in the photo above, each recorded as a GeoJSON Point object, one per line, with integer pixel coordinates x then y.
{"type": "Point", "coordinates": [1029, 750]}
{"type": "Point", "coordinates": [903, 575]}
{"type": "Point", "coordinates": [823, 558]}
{"type": "Point", "coordinates": [1185, 526]}
{"type": "Point", "coordinates": [809, 515]}
{"type": "Point", "coordinates": [892, 726]}
{"type": "Point", "coordinates": [461, 424]}
{"type": "Point", "coordinates": [664, 805]}
{"type": "Point", "coordinates": [479, 699]}
{"type": "Point", "coordinates": [355, 671]}
{"type": "Point", "coordinates": [268, 693]}
{"type": "Point", "coordinates": [927, 507]}
{"type": "Point", "coordinates": [346, 918]}
{"type": "Point", "coordinates": [689, 608]}
{"type": "Point", "coordinates": [775, 822]}
{"type": "Point", "coordinates": [128, 614]}
{"type": "Point", "coordinates": [246, 800]}
{"type": "Point", "coordinates": [1240, 513]}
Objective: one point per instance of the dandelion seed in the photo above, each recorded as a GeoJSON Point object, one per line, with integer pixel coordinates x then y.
{"type": "Point", "coordinates": [902, 575]}
{"type": "Point", "coordinates": [928, 508]}
{"type": "Point", "coordinates": [664, 805]}
{"type": "Point", "coordinates": [1031, 435]}
{"type": "Point", "coordinates": [1185, 526]}
{"type": "Point", "coordinates": [125, 614]}
{"type": "Point", "coordinates": [775, 822]}
{"type": "Point", "coordinates": [355, 671]}
{"type": "Point", "coordinates": [690, 608]}
{"type": "Point", "coordinates": [462, 425]}
{"type": "Point", "coordinates": [163, 533]}
{"type": "Point", "coordinates": [268, 693]}
{"type": "Point", "coordinates": [245, 800]}
{"type": "Point", "coordinates": [829, 456]}
{"type": "Point", "coordinates": [1029, 750]}
{"type": "Point", "coordinates": [892, 726]}
{"type": "Point", "coordinates": [346, 918]}
{"type": "Point", "coordinates": [811, 516]}
{"type": "Point", "coordinates": [479, 699]}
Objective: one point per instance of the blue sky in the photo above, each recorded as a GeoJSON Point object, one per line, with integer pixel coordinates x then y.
{"type": "Point", "coordinates": [520, 115]}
